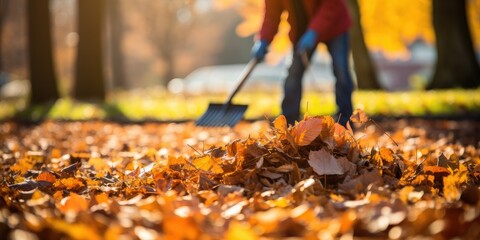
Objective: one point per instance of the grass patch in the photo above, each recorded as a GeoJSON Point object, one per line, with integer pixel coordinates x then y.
{"type": "Point", "coordinates": [151, 105]}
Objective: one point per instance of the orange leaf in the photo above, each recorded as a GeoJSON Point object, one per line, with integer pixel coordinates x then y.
{"type": "Point", "coordinates": [74, 230]}
{"type": "Point", "coordinates": [46, 176]}
{"type": "Point", "coordinates": [359, 116]}
{"type": "Point", "coordinates": [101, 198]}
{"type": "Point", "coordinates": [73, 203]}
{"type": "Point", "coordinates": [306, 131]}
{"type": "Point", "coordinates": [436, 170]}
{"type": "Point", "coordinates": [386, 154]}
{"type": "Point", "coordinates": [280, 123]}
{"type": "Point", "coordinates": [69, 183]}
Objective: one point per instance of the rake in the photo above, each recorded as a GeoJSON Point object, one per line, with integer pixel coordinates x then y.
{"type": "Point", "coordinates": [227, 114]}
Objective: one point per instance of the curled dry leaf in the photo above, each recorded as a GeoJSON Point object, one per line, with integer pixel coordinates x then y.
{"type": "Point", "coordinates": [324, 163]}
{"type": "Point", "coordinates": [359, 116]}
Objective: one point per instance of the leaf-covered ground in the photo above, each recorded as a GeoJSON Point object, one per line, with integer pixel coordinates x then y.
{"type": "Point", "coordinates": [392, 179]}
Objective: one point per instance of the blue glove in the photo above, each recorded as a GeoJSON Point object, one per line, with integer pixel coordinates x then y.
{"type": "Point", "coordinates": [307, 42]}
{"type": "Point", "coordinates": [259, 50]}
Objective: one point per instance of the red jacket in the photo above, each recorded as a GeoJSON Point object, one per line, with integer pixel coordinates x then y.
{"type": "Point", "coordinates": [329, 18]}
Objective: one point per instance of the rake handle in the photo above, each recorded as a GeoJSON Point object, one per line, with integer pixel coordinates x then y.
{"type": "Point", "coordinates": [242, 79]}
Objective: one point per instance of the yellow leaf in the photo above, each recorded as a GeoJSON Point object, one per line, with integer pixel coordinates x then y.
{"type": "Point", "coordinates": [98, 164]}
{"type": "Point", "coordinates": [208, 163]}
{"type": "Point", "coordinates": [240, 231]}
{"type": "Point", "coordinates": [450, 188]}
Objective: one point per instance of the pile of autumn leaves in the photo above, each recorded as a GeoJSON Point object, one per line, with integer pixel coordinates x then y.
{"type": "Point", "coordinates": [313, 180]}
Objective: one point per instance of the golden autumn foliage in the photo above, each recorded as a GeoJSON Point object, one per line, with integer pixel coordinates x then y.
{"type": "Point", "coordinates": [388, 26]}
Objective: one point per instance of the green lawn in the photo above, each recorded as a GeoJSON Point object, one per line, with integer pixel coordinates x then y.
{"type": "Point", "coordinates": [146, 105]}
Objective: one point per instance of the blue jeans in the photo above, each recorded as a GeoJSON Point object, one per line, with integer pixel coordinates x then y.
{"type": "Point", "coordinates": [292, 90]}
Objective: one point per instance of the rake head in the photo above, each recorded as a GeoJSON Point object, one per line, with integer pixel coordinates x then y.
{"type": "Point", "coordinates": [221, 115]}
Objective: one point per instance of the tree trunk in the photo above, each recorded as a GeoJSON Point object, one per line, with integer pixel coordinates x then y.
{"type": "Point", "coordinates": [363, 64]}
{"type": "Point", "coordinates": [3, 13]}
{"type": "Point", "coordinates": [89, 73]}
{"type": "Point", "coordinates": [42, 75]}
{"type": "Point", "coordinates": [116, 39]}
{"type": "Point", "coordinates": [456, 64]}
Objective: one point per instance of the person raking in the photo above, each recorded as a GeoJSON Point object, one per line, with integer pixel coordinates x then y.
{"type": "Point", "coordinates": [312, 22]}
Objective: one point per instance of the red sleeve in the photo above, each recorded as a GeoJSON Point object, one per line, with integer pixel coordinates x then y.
{"type": "Point", "coordinates": [271, 20]}
{"type": "Point", "coordinates": [330, 19]}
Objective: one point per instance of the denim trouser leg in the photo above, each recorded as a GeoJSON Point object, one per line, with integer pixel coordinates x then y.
{"type": "Point", "coordinates": [339, 51]}
{"type": "Point", "coordinates": [292, 88]}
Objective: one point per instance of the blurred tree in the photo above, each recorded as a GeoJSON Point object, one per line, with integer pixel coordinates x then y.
{"type": "Point", "coordinates": [42, 76]}
{"type": "Point", "coordinates": [3, 13]}
{"type": "Point", "coordinates": [116, 24]}
{"type": "Point", "coordinates": [363, 64]}
{"type": "Point", "coordinates": [168, 23]}
{"type": "Point", "coordinates": [89, 74]}
{"type": "Point", "coordinates": [456, 64]}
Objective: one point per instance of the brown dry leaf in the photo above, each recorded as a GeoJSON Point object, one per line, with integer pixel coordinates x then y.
{"type": "Point", "coordinates": [324, 163]}
{"type": "Point", "coordinates": [360, 183]}
{"type": "Point", "coordinates": [307, 130]}
{"type": "Point", "coordinates": [359, 116]}
{"type": "Point", "coordinates": [24, 186]}
{"type": "Point", "coordinates": [71, 169]}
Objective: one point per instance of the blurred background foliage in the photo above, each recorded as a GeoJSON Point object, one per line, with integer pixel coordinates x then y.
{"type": "Point", "coordinates": [145, 44]}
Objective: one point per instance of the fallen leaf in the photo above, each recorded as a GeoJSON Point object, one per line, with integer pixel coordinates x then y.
{"type": "Point", "coordinates": [324, 163]}
{"type": "Point", "coordinates": [386, 154]}
{"type": "Point", "coordinates": [208, 164]}
{"type": "Point", "coordinates": [280, 123]}
{"type": "Point", "coordinates": [73, 203]}
{"type": "Point", "coordinates": [307, 130]}
{"type": "Point", "coordinates": [47, 177]}
{"type": "Point", "coordinates": [359, 116]}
